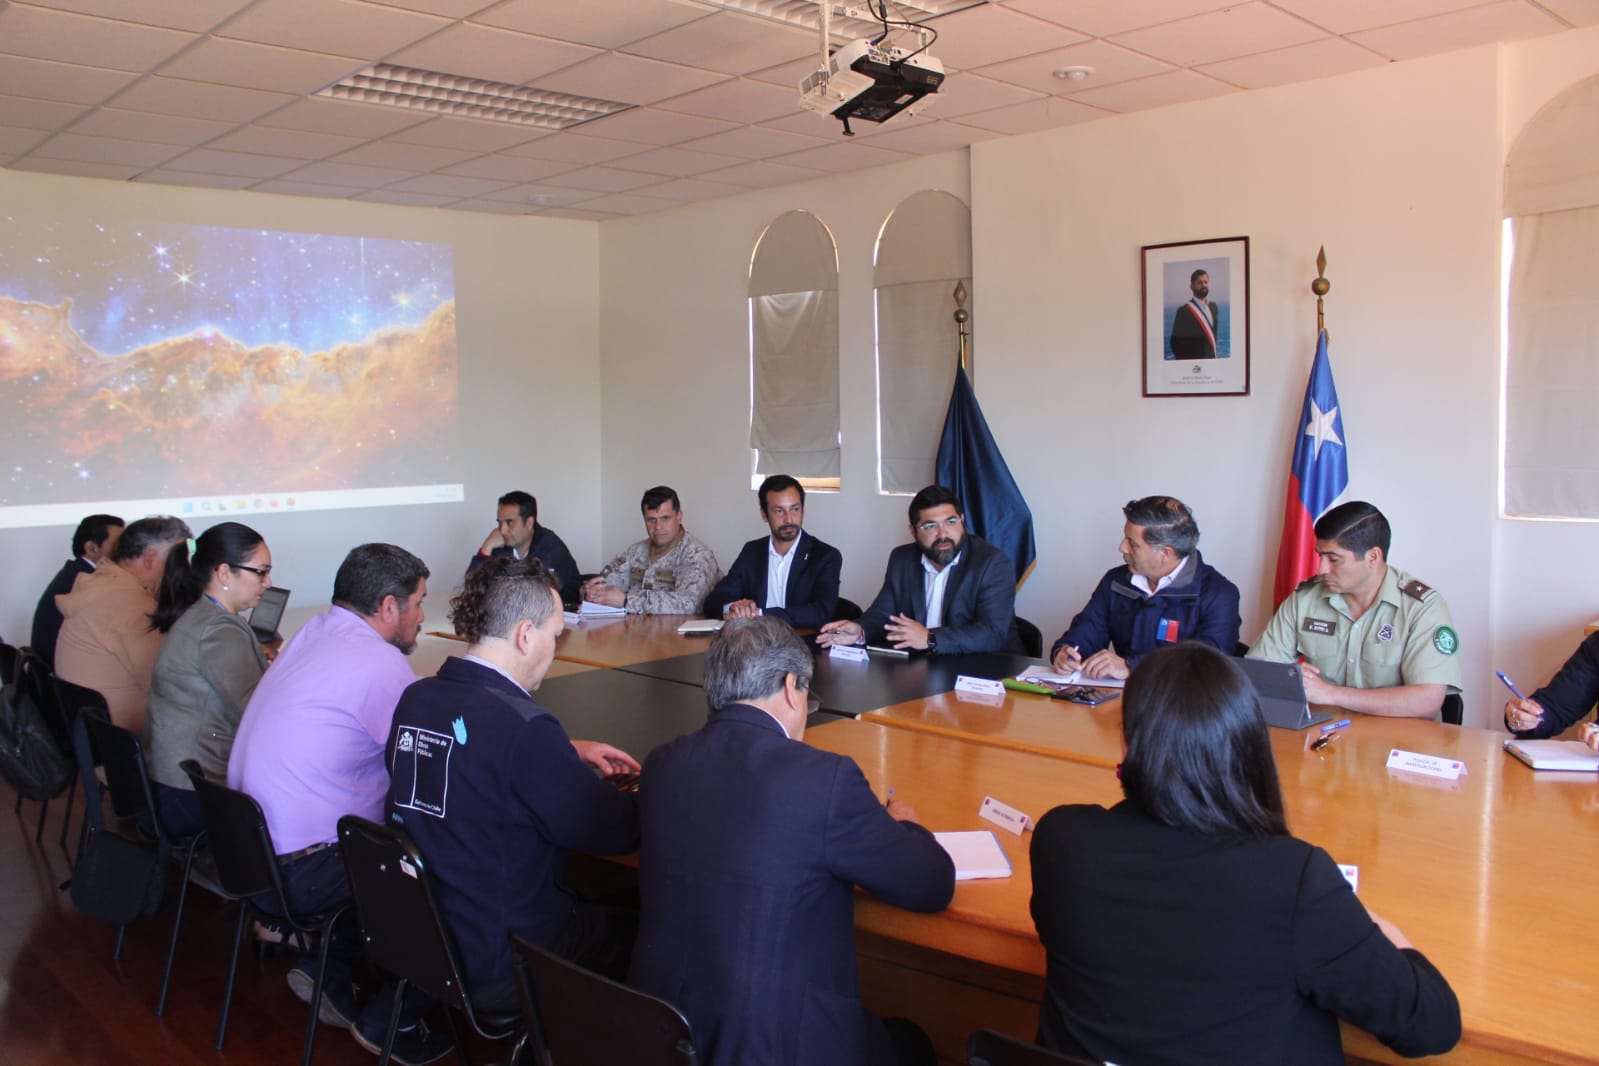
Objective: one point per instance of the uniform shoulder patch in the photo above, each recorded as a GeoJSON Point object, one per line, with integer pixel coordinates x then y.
{"type": "Point", "coordinates": [1416, 590]}
{"type": "Point", "coordinates": [1445, 640]}
{"type": "Point", "coordinates": [1307, 583]}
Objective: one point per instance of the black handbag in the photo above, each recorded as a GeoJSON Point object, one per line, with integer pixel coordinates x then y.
{"type": "Point", "coordinates": [31, 759]}
{"type": "Point", "coordinates": [118, 879]}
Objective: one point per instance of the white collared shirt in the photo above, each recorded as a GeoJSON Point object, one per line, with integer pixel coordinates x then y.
{"type": "Point", "coordinates": [933, 582]}
{"type": "Point", "coordinates": [1141, 583]}
{"type": "Point", "coordinates": [778, 565]}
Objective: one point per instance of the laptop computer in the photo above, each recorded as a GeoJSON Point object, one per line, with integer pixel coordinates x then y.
{"type": "Point", "coordinates": [266, 615]}
{"type": "Point", "coordinates": [1281, 689]}
{"type": "Point", "coordinates": [1554, 754]}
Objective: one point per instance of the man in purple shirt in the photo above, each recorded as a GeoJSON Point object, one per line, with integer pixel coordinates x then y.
{"type": "Point", "coordinates": [310, 750]}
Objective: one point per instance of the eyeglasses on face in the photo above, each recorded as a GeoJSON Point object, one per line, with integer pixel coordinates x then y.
{"type": "Point", "coordinates": [954, 521]}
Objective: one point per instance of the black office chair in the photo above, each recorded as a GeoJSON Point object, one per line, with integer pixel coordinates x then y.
{"type": "Point", "coordinates": [72, 702]}
{"type": "Point", "coordinates": [846, 611]}
{"type": "Point", "coordinates": [578, 1018]}
{"type": "Point", "coordinates": [10, 654]}
{"type": "Point", "coordinates": [247, 867]}
{"type": "Point", "coordinates": [1453, 709]}
{"type": "Point", "coordinates": [402, 931]}
{"type": "Point", "coordinates": [1032, 638]}
{"type": "Point", "coordinates": [988, 1048]}
{"type": "Point", "coordinates": [34, 681]}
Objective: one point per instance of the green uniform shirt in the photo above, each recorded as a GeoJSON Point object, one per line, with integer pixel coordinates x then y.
{"type": "Point", "coordinates": [1406, 638]}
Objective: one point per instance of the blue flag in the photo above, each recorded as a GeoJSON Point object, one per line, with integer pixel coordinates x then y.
{"type": "Point", "coordinates": [969, 463]}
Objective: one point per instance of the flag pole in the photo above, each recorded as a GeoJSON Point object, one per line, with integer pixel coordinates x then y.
{"type": "Point", "coordinates": [962, 316]}
{"type": "Point", "coordinates": [1321, 286]}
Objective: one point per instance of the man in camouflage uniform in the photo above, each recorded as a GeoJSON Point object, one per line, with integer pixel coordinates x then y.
{"type": "Point", "coordinates": [668, 572]}
{"type": "Point", "coordinates": [1374, 639]}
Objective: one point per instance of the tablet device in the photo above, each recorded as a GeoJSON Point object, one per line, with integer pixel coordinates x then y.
{"type": "Point", "coordinates": [1554, 754]}
{"type": "Point", "coordinates": [1281, 690]}
{"type": "Point", "coordinates": [268, 612]}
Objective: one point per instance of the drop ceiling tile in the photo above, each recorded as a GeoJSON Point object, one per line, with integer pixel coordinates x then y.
{"type": "Point", "coordinates": [988, 34]}
{"type": "Point", "coordinates": [498, 55]}
{"type": "Point", "coordinates": [761, 175]}
{"type": "Point", "coordinates": [291, 144]}
{"type": "Point", "coordinates": [575, 148]}
{"type": "Point", "coordinates": [454, 186]}
{"type": "Point", "coordinates": [62, 82]}
{"type": "Point", "coordinates": [172, 14]}
{"type": "Point", "coordinates": [754, 142]}
{"type": "Point", "coordinates": [237, 164]}
{"type": "Point", "coordinates": [675, 162]}
{"type": "Point", "coordinates": [1180, 86]}
{"type": "Point", "coordinates": [578, 214]}
{"type": "Point", "coordinates": [1111, 64]}
{"type": "Point", "coordinates": [83, 149]}
{"type": "Point", "coordinates": [1044, 114]}
{"type": "Point", "coordinates": [1350, 16]}
{"type": "Point", "coordinates": [37, 114]}
{"type": "Point", "coordinates": [535, 195]}
{"type": "Point", "coordinates": [601, 23]}
{"type": "Point", "coordinates": [348, 175]}
{"type": "Point", "coordinates": [178, 96]}
{"type": "Point", "coordinates": [932, 137]}
{"type": "Point", "coordinates": [507, 168]}
{"type": "Point", "coordinates": [492, 207]}
{"type": "Point", "coordinates": [963, 93]}
{"type": "Point", "coordinates": [647, 125]}
{"type": "Point", "coordinates": [259, 66]}
{"type": "Point", "coordinates": [1227, 34]}
{"type": "Point", "coordinates": [629, 204]}
{"type": "Point", "coordinates": [336, 27]}
{"type": "Point", "coordinates": [1304, 62]}
{"type": "Point", "coordinates": [729, 43]}
{"type": "Point", "coordinates": [404, 199]}
{"type": "Point", "coordinates": [1504, 21]}
{"type": "Point", "coordinates": [412, 157]}
{"type": "Point", "coordinates": [809, 124]}
{"type": "Point", "coordinates": [69, 38]}
{"type": "Point", "coordinates": [140, 126]}
{"type": "Point", "coordinates": [467, 134]}
{"type": "Point", "coordinates": [842, 157]}
{"type": "Point", "coordinates": [630, 79]}
{"type": "Point", "coordinates": [1101, 18]}
{"type": "Point", "coordinates": [199, 181]}
{"type": "Point", "coordinates": [1576, 12]}
{"type": "Point", "coordinates": [603, 179]}
{"type": "Point", "coordinates": [738, 100]}
{"type": "Point", "coordinates": [788, 75]}
{"type": "Point", "coordinates": [454, 9]}
{"type": "Point", "coordinates": [320, 114]}
{"type": "Point", "coordinates": [693, 189]}
{"type": "Point", "coordinates": [108, 171]}
{"type": "Point", "coordinates": [306, 188]}
{"type": "Point", "coordinates": [16, 140]}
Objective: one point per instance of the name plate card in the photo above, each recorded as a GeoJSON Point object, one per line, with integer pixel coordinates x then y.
{"type": "Point", "coordinates": [979, 686]}
{"type": "Point", "coordinates": [1351, 874]}
{"type": "Point", "coordinates": [1426, 765]}
{"type": "Point", "coordinates": [1004, 815]}
{"type": "Point", "coordinates": [847, 653]}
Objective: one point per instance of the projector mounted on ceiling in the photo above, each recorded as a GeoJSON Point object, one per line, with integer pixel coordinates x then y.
{"type": "Point", "coordinates": [869, 79]}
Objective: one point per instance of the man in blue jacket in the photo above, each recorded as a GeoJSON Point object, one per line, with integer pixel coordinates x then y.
{"type": "Point", "coordinates": [1163, 593]}
{"type": "Point", "coordinates": [789, 574]}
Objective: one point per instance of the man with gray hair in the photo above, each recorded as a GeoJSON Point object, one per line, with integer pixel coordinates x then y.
{"type": "Point", "coordinates": [752, 845]}
{"type": "Point", "coordinates": [1162, 593]}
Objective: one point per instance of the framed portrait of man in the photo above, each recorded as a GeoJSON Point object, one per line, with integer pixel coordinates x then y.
{"type": "Point", "coordinates": [1196, 318]}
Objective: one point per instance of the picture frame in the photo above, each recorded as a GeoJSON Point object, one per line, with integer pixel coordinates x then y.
{"type": "Point", "coordinates": [1196, 329]}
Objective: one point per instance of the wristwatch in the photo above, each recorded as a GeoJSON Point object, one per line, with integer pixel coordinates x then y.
{"type": "Point", "coordinates": [932, 643]}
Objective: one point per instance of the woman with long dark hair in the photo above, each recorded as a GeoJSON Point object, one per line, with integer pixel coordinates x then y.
{"type": "Point", "coordinates": [209, 664]}
{"type": "Point", "coordinates": [1186, 925]}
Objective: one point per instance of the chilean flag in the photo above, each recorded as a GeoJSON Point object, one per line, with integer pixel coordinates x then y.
{"type": "Point", "coordinates": [1318, 476]}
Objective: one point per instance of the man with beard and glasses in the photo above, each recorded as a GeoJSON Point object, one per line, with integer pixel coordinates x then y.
{"type": "Point", "coordinates": [946, 593]}
{"type": "Point", "coordinates": [789, 574]}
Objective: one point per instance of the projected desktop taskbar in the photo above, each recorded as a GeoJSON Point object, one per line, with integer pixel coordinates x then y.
{"type": "Point", "coordinates": [232, 505]}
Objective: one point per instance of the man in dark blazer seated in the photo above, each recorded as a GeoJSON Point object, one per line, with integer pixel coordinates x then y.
{"type": "Point", "coordinates": [517, 535]}
{"type": "Point", "coordinates": [946, 593]}
{"type": "Point", "coordinates": [789, 574]}
{"type": "Point", "coordinates": [752, 845]}
{"type": "Point", "coordinates": [92, 541]}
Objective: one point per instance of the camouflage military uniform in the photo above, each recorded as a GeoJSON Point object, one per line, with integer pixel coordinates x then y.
{"type": "Point", "coordinates": [676, 583]}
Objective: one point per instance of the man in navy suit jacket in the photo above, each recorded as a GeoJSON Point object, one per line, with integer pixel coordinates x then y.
{"type": "Point", "coordinates": [752, 845]}
{"type": "Point", "coordinates": [946, 593]}
{"type": "Point", "coordinates": [805, 590]}
{"type": "Point", "coordinates": [92, 541]}
{"type": "Point", "coordinates": [517, 534]}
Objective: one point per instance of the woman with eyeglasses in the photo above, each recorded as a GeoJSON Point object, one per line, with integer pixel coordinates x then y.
{"type": "Point", "coordinates": [209, 665]}
{"type": "Point", "coordinates": [1186, 925]}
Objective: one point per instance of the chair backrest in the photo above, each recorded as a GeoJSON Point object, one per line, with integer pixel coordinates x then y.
{"type": "Point", "coordinates": [126, 776]}
{"type": "Point", "coordinates": [402, 930]}
{"type": "Point", "coordinates": [988, 1048]}
{"type": "Point", "coordinates": [1032, 637]}
{"type": "Point", "coordinates": [1453, 710]}
{"type": "Point", "coordinates": [846, 611]}
{"type": "Point", "coordinates": [9, 656]}
{"type": "Point", "coordinates": [578, 1018]}
{"type": "Point", "coordinates": [236, 834]}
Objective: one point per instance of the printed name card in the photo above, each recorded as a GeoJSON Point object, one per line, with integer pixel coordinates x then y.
{"type": "Point", "coordinates": [847, 653]}
{"type": "Point", "coordinates": [979, 686]}
{"type": "Point", "coordinates": [1351, 874]}
{"type": "Point", "coordinates": [1426, 765]}
{"type": "Point", "coordinates": [1004, 815]}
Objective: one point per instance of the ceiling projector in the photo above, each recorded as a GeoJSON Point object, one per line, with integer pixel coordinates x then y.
{"type": "Point", "coordinates": [871, 82]}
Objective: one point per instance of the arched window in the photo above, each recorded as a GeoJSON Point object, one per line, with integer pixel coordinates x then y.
{"type": "Point", "coordinates": [1551, 467]}
{"type": "Point", "coordinates": [923, 251]}
{"type": "Point", "coordinates": [794, 351]}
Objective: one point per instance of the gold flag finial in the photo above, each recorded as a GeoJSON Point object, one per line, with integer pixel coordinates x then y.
{"type": "Point", "coordinates": [962, 316]}
{"type": "Point", "coordinates": [1321, 286]}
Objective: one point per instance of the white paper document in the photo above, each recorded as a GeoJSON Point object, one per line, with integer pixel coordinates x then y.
{"type": "Point", "coordinates": [700, 627]}
{"type": "Point", "coordinates": [600, 610]}
{"type": "Point", "coordinates": [1043, 675]}
{"type": "Point", "coordinates": [976, 853]}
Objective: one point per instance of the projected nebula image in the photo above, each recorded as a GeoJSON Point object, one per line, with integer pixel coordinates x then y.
{"type": "Point", "coordinates": [172, 362]}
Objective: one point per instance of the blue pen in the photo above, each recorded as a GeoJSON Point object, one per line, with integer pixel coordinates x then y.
{"type": "Point", "coordinates": [1330, 726]}
{"type": "Point", "coordinates": [889, 799]}
{"type": "Point", "coordinates": [1511, 685]}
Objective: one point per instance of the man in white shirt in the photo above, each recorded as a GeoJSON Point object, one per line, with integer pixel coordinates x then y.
{"type": "Point", "coordinates": [789, 574]}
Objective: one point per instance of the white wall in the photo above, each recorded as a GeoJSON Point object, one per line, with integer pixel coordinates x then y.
{"type": "Point", "coordinates": [527, 333]}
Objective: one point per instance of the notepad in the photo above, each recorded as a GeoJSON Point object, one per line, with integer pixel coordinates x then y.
{"type": "Point", "coordinates": [591, 609]}
{"type": "Point", "coordinates": [1043, 675]}
{"type": "Point", "coordinates": [700, 627]}
{"type": "Point", "coordinates": [1554, 754]}
{"type": "Point", "coordinates": [976, 853]}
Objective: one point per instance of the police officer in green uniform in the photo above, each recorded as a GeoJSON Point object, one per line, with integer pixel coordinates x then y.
{"type": "Point", "coordinates": [1374, 639]}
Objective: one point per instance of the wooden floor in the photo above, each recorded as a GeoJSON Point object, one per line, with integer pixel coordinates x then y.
{"type": "Point", "coordinates": [63, 1000]}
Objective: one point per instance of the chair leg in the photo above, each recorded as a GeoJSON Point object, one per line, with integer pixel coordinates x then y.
{"type": "Point", "coordinates": [394, 1024]}
{"type": "Point", "coordinates": [38, 830]}
{"type": "Point", "coordinates": [177, 922]}
{"type": "Point", "coordinates": [326, 938]}
{"type": "Point", "coordinates": [66, 815]}
{"type": "Point", "coordinates": [18, 808]}
{"type": "Point", "coordinates": [116, 951]}
{"type": "Point", "coordinates": [233, 966]}
{"type": "Point", "coordinates": [455, 1035]}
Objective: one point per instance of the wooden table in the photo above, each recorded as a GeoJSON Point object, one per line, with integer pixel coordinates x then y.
{"type": "Point", "coordinates": [622, 640]}
{"type": "Point", "coordinates": [1491, 875]}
